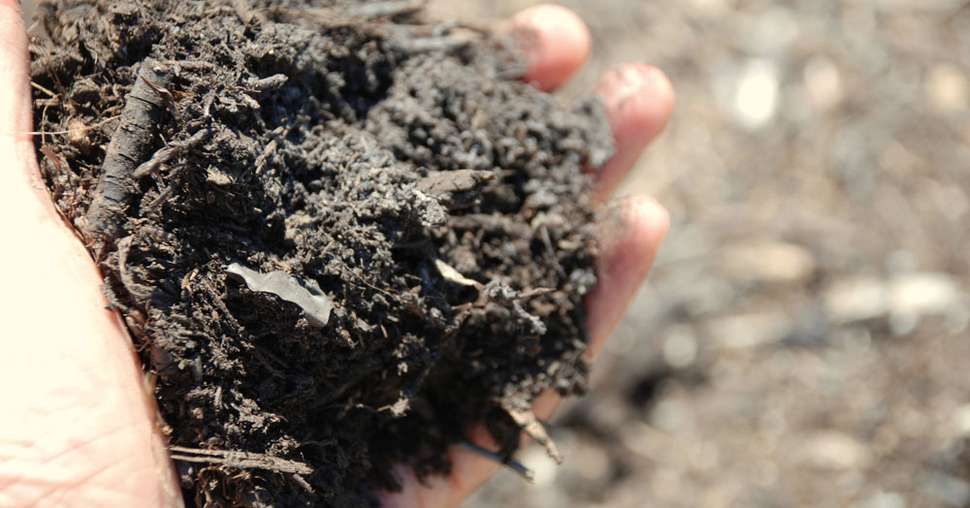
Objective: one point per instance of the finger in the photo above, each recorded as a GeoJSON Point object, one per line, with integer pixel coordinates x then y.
{"type": "Point", "coordinates": [632, 234]}
{"type": "Point", "coordinates": [14, 96]}
{"type": "Point", "coordinates": [24, 190]}
{"type": "Point", "coordinates": [639, 100]}
{"type": "Point", "coordinates": [555, 41]}
{"type": "Point", "coordinates": [469, 470]}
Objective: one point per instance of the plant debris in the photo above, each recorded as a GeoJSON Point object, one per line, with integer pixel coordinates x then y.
{"type": "Point", "coordinates": [239, 460]}
{"type": "Point", "coordinates": [315, 305]}
{"type": "Point", "coordinates": [339, 233]}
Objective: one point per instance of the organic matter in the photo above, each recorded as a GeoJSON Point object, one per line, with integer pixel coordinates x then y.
{"type": "Point", "coordinates": [338, 233]}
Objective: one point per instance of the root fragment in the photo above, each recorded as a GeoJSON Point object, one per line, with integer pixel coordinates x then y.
{"type": "Point", "coordinates": [43, 89]}
{"type": "Point", "coordinates": [531, 425]}
{"type": "Point", "coordinates": [240, 460]}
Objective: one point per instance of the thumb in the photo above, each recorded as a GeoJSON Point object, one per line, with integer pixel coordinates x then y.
{"type": "Point", "coordinates": [20, 185]}
{"type": "Point", "coordinates": [77, 428]}
{"type": "Point", "coordinates": [14, 92]}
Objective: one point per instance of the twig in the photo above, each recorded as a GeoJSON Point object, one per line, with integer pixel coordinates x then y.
{"type": "Point", "coordinates": [169, 152]}
{"type": "Point", "coordinates": [131, 144]}
{"type": "Point", "coordinates": [386, 9]}
{"type": "Point", "coordinates": [264, 157]}
{"type": "Point", "coordinates": [240, 460]}
{"type": "Point", "coordinates": [43, 89]}
{"type": "Point", "coordinates": [534, 292]}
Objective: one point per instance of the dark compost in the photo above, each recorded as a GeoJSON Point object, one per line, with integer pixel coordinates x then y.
{"type": "Point", "coordinates": [339, 233]}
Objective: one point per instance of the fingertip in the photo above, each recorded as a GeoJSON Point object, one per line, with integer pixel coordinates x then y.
{"type": "Point", "coordinates": [639, 101]}
{"type": "Point", "coordinates": [652, 220]}
{"type": "Point", "coordinates": [631, 226]}
{"type": "Point", "coordinates": [556, 43]}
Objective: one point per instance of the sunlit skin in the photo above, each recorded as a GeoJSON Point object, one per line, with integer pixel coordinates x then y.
{"type": "Point", "coordinates": [78, 427]}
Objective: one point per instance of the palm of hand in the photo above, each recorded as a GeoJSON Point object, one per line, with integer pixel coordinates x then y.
{"type": "Point", "coordinates": [79, 427]}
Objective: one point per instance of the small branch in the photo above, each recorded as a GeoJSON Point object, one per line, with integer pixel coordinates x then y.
{"type": "Point", "coordinates": [130, 145]}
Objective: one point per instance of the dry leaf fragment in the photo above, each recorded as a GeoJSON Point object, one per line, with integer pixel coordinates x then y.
{"type": "Point", "coordinates": [316, 306]}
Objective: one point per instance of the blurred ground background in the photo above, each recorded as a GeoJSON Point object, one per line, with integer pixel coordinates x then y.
{"type": "Point", "coordinates": [803, 339]}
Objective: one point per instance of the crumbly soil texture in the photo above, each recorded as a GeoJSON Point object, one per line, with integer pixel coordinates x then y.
{"type": "Point", "coordinates": [339, 233]}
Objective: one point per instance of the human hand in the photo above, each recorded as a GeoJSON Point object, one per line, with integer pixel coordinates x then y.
{"type": "Point", "coordinates": [78, 427]}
